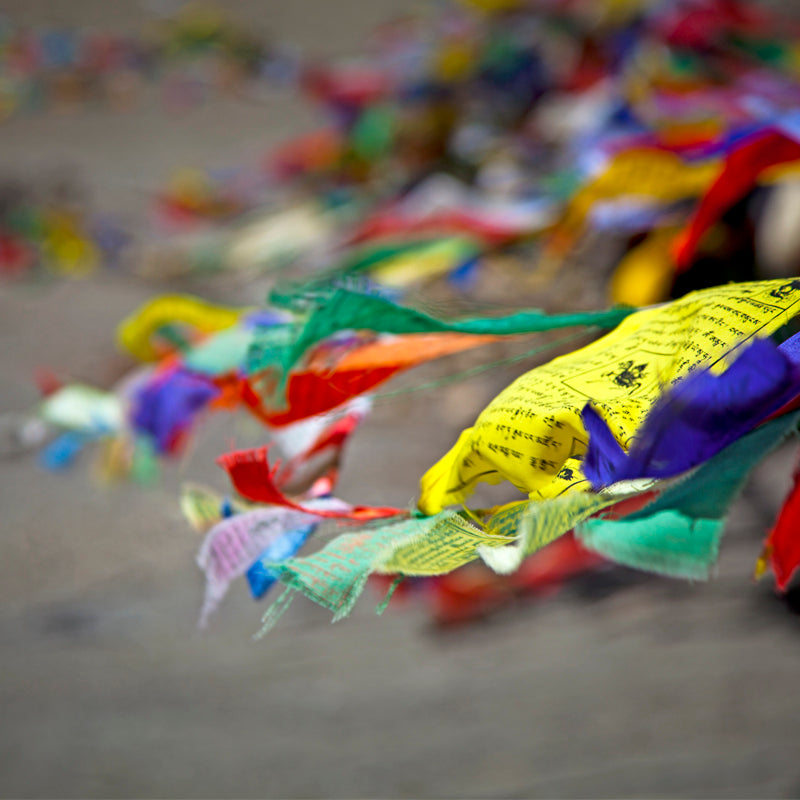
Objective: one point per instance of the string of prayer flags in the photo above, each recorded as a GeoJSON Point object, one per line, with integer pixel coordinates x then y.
{"type": "Point", "coordinates": [667, 517]}
{"type": "Point", "coordinates": [241, 360]}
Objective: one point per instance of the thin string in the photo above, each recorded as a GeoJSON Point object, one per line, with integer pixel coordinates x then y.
{"type": "Point", "coordinates": [468, 373]}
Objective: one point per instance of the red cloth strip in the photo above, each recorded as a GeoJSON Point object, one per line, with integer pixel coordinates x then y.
{"type": "Point", "coordinates": [254, 479]}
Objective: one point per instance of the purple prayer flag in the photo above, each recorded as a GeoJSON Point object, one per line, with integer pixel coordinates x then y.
{"type": "Point", "coordinates": [166, 406]}
{"type": "Point", "coordinates": [700, 416]}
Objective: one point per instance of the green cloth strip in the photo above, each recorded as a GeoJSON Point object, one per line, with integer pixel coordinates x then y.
{"type": "Point", "coordinates": [348, 310]}
{"type": "Point", "coordinates": [678, 534]}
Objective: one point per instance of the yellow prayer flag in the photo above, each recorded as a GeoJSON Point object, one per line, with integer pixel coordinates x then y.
{"type": "Point", "coordinates": [532, 435]}
{"type": "Point", "coordinates": [135, 332]}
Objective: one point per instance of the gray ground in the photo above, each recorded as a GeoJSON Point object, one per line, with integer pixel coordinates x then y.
{"type": "Point", "coordinates": [107, 689]}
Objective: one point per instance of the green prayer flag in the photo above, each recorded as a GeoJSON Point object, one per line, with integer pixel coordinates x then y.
{"type": "Point", "coordinates": [678, 534]}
